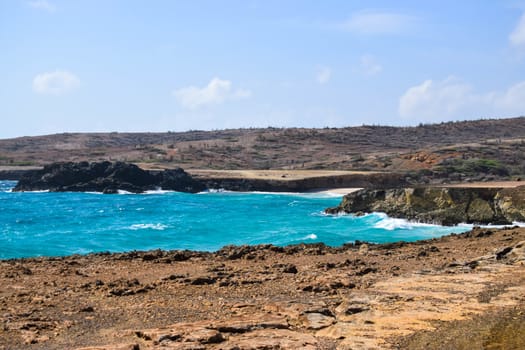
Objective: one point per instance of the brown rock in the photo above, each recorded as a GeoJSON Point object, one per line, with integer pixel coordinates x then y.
{"type": "Point", "coordinates": [113, 347]}
{"type": "Point", "coordinates": [205, 336]}
{"type": "Point", "coordinates": [272, 339]}
{"type": "Point", "coordinates": [316, 320]}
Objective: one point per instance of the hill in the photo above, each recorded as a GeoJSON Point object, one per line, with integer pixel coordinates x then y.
{"type": "Point", "coordinates": [480, 149]}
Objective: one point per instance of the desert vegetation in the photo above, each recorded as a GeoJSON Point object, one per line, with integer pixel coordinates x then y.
{"type": "Point", "coordinates": [470, 149]}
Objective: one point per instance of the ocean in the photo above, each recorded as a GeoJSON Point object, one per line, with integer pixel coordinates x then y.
{"type": "Point", "coordinates": [56, 224]}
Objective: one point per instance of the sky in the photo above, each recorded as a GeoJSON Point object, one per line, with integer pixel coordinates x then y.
{"type": "Point", "coordinates": [173, 65]}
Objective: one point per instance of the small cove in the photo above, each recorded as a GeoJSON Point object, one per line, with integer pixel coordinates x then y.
{"type": "Point", "coordinates": [56, 224]}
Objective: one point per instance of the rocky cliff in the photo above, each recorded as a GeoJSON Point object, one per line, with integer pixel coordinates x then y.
{"type": "Point", "coordinates": [109, 177]}
{"type": "Point", "coordinates": [105, 177]}
{"type": "Point", "coordinates": [357, 180]}
{"type": "Point", "coordinates": [440, 205]}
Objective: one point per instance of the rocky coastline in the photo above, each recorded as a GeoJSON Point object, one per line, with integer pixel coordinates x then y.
{"type": "Point", "coordinates": [372, 180]}
{"type": "Point", "coordinates": [109, 177]}
{"type": "Point", "coordinates": [105, 177]}
{"type": "Point", "coordinates": [310, 296]}
{"type": "Point", "coordinates": [440, 205]}
{"type": "Point", "coordinates": [359, 296]}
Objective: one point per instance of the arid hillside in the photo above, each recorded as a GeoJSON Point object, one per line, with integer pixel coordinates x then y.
{"type": "Point", "coordinates": [482, 148]}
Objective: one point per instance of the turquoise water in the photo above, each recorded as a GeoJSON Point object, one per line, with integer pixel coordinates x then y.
{"type": "Point", "coordinates": [53, 224]}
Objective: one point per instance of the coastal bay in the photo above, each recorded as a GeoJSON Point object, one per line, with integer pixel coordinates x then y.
{"type": "Point", "coordinates": [262, 175]}
{"type": "Point", "coordinates": [312, 296]}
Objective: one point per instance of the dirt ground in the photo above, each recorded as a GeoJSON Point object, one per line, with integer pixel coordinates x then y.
{"type": "Point", "coordinates": [430, 294]}
{"type": "Point", "coordinates": [272, 174]}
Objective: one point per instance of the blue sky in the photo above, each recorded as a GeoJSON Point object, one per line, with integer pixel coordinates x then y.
{"type": "Point", "coordinates": [68, 66]}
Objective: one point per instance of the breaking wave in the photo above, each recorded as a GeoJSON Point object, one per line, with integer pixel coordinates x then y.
{"type": "Point", "coordinates": [390, 224]}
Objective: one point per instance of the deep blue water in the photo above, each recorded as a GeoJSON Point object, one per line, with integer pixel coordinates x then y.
{"type": "Point", "coordinates": [52, 224]}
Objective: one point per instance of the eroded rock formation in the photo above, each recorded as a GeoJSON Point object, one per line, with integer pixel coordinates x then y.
{"type": "Point", "coordinates": [440, 205]}
{"type": "Point", "coordinates": [106, 177]}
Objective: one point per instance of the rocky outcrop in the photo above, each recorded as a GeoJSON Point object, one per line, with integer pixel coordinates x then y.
{"type": "Point", "coordinates": [357, 180]}
{"type": "Point", "coordinates": [13, 174]}
{"type": "Point", "coordinates": [110, 177]}
{"type": "Point", "coordinates": [440, 205]}
{"type": "Point", "coordinates": [106, 177]}
{"type": "Point", "coordinates": [268, 297]}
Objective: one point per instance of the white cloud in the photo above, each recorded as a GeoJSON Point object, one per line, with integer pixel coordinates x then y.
{"type": "Point", "coordinates": [370, 66]}
{"type": "Point", "coordinates": [511, 101]}
{"type": "Point", "coordinates": [455, 99]}
{"type": "Point", "coordinates": [217, 91]}
{"type": "Point", "coordinates": [373, 22]}
{"type": "Point", "coordinates": [517, 37]}
{"type": "Point", "coordinates": [323, 75]}
{"type": "Point", "coordinates": [55, 83]}
{"type": "Point", "coordinates": [43, 5]}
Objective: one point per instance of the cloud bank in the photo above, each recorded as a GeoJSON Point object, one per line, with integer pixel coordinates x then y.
{"type": "Point", "coordinates": [58, 82]}
{"type": "Point", "coordinates": [454, 99]}
{"type": "Point", "coordinates": [216, 92]}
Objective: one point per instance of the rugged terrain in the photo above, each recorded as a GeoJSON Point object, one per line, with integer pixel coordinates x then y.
{"type": "Point", "coordinates": [470, 150]}
{"type": "Point", "coordinates": [360, 296]}
{"type": "Point", "coordinates": [105, 177]}
{"type": "Point", "coordinates": [110, 177]}
{"type": "Point", "coordinates": [441, 205]}
{"type": "Point", "coordinates": [458, 292]}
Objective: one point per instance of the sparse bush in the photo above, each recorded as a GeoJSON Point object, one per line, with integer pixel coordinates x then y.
{"type": "Point", "coordinates": [473, 167]}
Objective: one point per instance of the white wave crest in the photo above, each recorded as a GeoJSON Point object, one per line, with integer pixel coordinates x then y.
{"type": "Point", "coordinates": [514, 223]}
{"type": "Point", "coordinates": [158, 191]}
{"type": "Point", "coordinates": [158, 227]}
{"type": "Point", "coordinates": [214, 190]}
{"type": "Point", "coordinates": [124, 192]}
{"type": "Point", "coordinates": [311, 236]}
{"type": "Point", "coordinates": [390, 224]}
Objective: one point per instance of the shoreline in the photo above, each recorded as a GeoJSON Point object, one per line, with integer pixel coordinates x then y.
{"type": "Point", "coordinates": [302, 246]}
{"type": "Point", "coordinates": [331, 192]}
{"type": "Point", "coordinates": [307, 296]}
{"type": "Point", "coordinates": [376, 296]}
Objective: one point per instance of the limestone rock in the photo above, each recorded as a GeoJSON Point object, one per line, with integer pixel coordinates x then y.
{"type": "Point", "coordinates": [113, 347]}
{"type": "Point", "coordinates": [272, 339]}
{"type": "Point", "coordinates": [440, 205]}
{"type": "Point", "coordinates": [315, 320]}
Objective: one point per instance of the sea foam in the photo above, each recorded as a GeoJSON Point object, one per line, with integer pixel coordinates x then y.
{"type": "Point", "coordinates": [390, 224]}
{"type": "Point", "coordinates": [158, 227]}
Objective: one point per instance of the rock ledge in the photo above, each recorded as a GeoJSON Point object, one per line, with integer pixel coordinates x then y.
{"type": "Point", "coordinates": [440, 205]}
{"type": "Point", "coordinates": [106, 177]}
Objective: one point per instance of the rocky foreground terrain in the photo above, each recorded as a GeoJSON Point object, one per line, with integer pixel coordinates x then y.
{"type": "Point", "coordinates": [458, 292]}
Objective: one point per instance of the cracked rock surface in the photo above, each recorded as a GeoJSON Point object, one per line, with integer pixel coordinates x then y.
{"type": "Point", "coordinates": [363, 296]}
